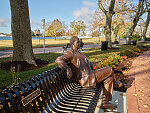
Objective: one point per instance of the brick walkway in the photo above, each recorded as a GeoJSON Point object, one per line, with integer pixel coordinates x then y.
{"type": "Point", "coordinates": [138, 92]}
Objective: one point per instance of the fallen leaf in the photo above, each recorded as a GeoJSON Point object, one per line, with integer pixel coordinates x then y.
{"type": "Point", "coordinates": [93, 93]}
{"type": "Point", "coordinates": [135, 95]}
{"type": "Point", "coordinates": [143, 95]}
{"type": "Point", "coordinates": [145, 105]}
{"type": "Point", "coordinates": [140, 90]}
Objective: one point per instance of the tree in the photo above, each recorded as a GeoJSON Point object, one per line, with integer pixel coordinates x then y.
{"type": "Point", "coordinates": [143, 6]}
{"type": "Point", "coordinates": [21, 31]}
{"type": "Point", "coordinates": [78, 27]}
{"type": "Point", "coordinates": [99, 21]}
{"type": "Point", "coordinates": [55, 29]}
{"type": "Point", "coordinates": [95, 34]}
{"type": "Point", "coordinates": [146, 26]}
{"type": "Point", "coordinates": [108, 13]}
{"type": "Point", "coordinates": [123, 31]}
{"type": "Point", "coordinates": [117, 23]}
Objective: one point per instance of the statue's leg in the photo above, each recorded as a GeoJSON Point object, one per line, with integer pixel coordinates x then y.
{"type": "Point", "coordinates": [106, 75]}
{"type": "Point", "coordinates": [107, 90]}
{"type": "Point", "coordinates": [103, 73]}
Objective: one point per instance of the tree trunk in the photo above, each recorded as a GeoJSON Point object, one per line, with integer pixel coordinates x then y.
{"type": "Point", "coordinates": [108, 15]}
{"type": "Point", "coordinates": [145, 27]}
{"type": "Point", "coordinates": [108, 30]}
{"type": "Point", "coordinates": [132, 29]}
{"type": "Point", "coordinates": [21, 31]}
{"type": "Point", "coordinates": [139, 13]}
{"type": "Point", "coordinates": [55, 37]}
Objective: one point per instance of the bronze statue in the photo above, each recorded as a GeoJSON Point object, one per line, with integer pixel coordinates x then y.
{"type": "Point", "coordinates": [86, 75]}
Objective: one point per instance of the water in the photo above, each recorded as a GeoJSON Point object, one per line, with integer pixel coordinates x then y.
{"type": "Point", "coordinates": [33, 38]}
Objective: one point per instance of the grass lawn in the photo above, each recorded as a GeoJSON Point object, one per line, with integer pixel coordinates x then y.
{"type": "Point", "coordinates": [94, 55]}
{"type": "Point", "coordinates": [7, 44]}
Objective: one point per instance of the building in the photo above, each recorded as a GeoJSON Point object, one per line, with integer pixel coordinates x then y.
{"type": "Point", "coordinates": [37, 32]}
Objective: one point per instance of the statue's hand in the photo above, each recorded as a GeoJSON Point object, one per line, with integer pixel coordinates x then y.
{"type": "Point", "coordinates": [69, 73]}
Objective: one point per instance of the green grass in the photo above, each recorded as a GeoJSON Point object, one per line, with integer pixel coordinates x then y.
{"type": "Point", "coordinates": [6, 76]}
{"type": "Point", "coordinates": [94, 55]}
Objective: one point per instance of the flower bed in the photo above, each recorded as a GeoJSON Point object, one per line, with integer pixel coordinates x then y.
{"type": "Point", "coordinates": [116, 58]}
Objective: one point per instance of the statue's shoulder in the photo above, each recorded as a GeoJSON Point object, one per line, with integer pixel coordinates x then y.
{"type": "Point", "coordinates": [70, 52]}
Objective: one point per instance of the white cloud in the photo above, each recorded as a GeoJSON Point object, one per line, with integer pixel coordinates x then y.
{"type": "Point", "coordinates": [88, 3]}
{"type": "Point", "coordinates": [4, 22]}
{"type": "Point", "coordinates": [85, 13]}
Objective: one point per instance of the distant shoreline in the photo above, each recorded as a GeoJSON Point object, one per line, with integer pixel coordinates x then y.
{"type": "Point", "coordinates": [33, 38]}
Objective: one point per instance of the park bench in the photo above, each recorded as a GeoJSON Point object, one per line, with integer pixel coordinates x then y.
{"type": "Point", "coordinates": [65, 47]}
{"type": "Point", "coordinates": [49, 92]}
{"type": "Point", "coordinates": [115, 42]}
{"type": "Point", "coordinates": [68, 46]}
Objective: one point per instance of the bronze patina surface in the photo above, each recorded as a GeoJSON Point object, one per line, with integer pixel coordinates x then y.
{"type": "Point", "coordinates": [82, 68]}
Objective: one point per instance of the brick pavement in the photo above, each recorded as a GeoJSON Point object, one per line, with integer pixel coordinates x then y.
{"type": "Point", "coordinates": [138, 92]}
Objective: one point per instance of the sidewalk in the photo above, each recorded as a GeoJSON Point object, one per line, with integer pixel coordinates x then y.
{"type": "Point", "coordinates": [8, 53]}
{"type": "Point", "coordinates": [138, 92]}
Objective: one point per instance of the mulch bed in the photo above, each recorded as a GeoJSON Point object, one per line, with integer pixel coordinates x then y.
{"type": "Point", "coordinates": [23, 65]}
{"type": "Point", "coordinates": [125, 66]}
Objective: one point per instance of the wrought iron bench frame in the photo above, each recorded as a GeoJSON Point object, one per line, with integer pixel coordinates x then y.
{"type": "Point", "coordinates": [58, 94]}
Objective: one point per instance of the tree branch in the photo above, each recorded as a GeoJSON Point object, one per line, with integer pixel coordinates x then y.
{"type": "Point", "coordinates": [101, 6]}
{"type": "Point", "coordinates": [111, 7]}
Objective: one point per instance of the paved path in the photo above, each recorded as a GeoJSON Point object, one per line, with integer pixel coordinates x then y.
{"type": "Point", "coordinates": [119, 99]}
{"type": "Point", "coordinates": [7, 53]}
{"type": "Point", "coordinates": [138, 92]}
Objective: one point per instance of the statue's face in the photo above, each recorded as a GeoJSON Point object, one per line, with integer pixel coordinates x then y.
{"type": "Point", "coordinates": [77, 43]}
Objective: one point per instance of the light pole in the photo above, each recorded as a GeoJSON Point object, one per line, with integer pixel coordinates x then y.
{"type": "Point", "coordinates": [43, 28]}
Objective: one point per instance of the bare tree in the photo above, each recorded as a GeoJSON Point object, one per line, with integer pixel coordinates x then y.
{"type": "Point", "coordinates": [21, 31]}
{"type": "Point", "coordinates": [141, 9]}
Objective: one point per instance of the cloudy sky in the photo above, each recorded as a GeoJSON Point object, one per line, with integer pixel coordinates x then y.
{"type": "Point", "coordinates": [64, 10]}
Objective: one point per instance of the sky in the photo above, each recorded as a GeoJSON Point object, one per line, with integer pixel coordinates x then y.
{"type": "Point", "coordinates": [64, 10]}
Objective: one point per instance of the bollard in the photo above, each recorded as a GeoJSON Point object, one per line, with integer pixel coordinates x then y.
{"type": "Point", "coordinates": [104, 45]}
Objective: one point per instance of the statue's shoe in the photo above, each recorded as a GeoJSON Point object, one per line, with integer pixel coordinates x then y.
{"type": "Point", "coordinates": [108, 106]}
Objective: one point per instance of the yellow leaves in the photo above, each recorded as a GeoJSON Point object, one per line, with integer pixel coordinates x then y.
{"type": "Point", "coordinates": [93, 94]}
{"type": "Point", "coordinates": [140, 90]}
{"type": "Point", "coordinates": [135, 95]}
{"type": "Point", "coordinates": [125, 72]}
{"type": "Point", "coordinates": [143, 95]}
{"type": "Point", "coordinates": [145, 105]}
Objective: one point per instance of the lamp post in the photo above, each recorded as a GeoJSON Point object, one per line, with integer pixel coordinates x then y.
{"type": "Point", "coordinates": [43, 28]}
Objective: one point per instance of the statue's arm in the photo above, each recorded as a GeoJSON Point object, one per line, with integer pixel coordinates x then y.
{"type": "Point", "coordinates": [62, 62]}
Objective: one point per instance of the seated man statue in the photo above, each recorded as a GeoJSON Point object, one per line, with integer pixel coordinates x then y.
{"type": "Point", "coordinates": [86, 75]}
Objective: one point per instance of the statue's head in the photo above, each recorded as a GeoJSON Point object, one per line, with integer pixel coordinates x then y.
{"type": "Point", "coordinates": [75, 42]}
